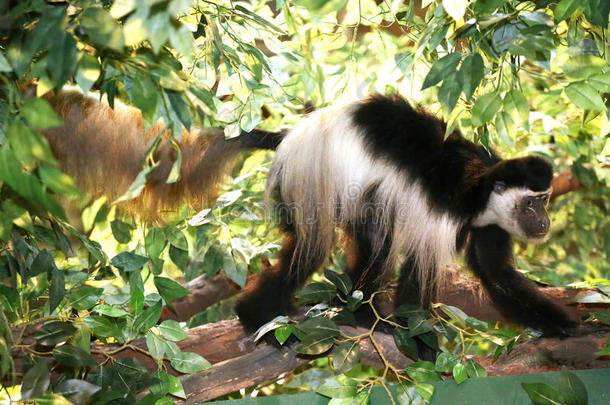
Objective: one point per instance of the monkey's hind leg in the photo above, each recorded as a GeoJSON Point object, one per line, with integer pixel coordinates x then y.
{"type": "Point", "coordinates": [366, 262]}
{"type": "Point", "coordinates": [271, 293]}
{"type": "Point", "coordinates": [409, 291]}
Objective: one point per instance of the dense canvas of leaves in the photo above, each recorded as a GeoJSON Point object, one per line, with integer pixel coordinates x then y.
{"type": "Point", "coordinates": [518, 76]}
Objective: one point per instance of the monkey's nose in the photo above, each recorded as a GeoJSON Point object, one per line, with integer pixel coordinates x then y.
{"type": "Point", "coordinates": [544, 225]}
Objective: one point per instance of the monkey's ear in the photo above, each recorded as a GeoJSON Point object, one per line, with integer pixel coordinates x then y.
{"type": "Point", "coordinates": [499, 187]}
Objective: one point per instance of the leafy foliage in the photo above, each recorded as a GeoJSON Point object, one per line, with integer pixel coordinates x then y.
{"type": "Point", "coordinates": [518, 76]}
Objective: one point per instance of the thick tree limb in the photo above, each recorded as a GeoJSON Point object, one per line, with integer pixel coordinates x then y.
{"type": "Point", "coordinates": [459, 290]}
{"type": "Point", "coordinates": [239, 362]}
{"type": "Point", "coordinates": [204, 293]}
{"type": "Point", "coordinates": [564, 183]}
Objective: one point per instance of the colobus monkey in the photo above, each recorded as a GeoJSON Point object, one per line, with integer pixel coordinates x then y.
{"type": "Point", "coordinates": [103, 149]}
{"type": "Point", "coordinates": [384, 173]}
{"type": "Point", "coordinates": [379, 169]}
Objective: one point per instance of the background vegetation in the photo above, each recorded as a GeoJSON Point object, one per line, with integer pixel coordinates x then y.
{"type": "Point", "coordinates": [522, 77]}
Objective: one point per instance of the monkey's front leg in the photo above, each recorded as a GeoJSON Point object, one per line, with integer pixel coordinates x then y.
{"type": "Point", "coordinates": [490, 255]}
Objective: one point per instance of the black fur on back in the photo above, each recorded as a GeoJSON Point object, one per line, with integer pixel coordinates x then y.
{"type": "Point", "coordinates": [451, 169]}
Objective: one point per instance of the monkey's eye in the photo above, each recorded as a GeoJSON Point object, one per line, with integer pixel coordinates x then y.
{"type": "Point", "coordinates": [546, 199]}
{"type": "Point", "coordinates": [530, 202]}
{"type": "Point", "coordinates": [499, 187]}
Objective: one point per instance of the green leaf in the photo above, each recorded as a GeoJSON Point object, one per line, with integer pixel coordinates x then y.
{"type": "Point", "coordinates": [156, 345]}
{"type": "Point", "coordinates": [601, 82]}
{"type": "Point", "coordinates": [57, 289]}
{"type": "Point", "coordinates": [87, 72]}
{"type": "Point", "coordinates": [516, 105]}
{"type": "Point", "coordinates": [338, 387]}
{"type": "Point", "coordinates": [76, 391]}
{"type": "Point", "coordinates": [474, 369]}
{"type": "Point", "coordinates": [450, 91]}
{"type": "Point", "coordinates": [345, 356]}
{"type": "Point", "coordinates": [52, 399]}
{"type": "Point", "coordinates": [39, 114]}
{"type": "Point", "coordinates": [54, 332]}
{"type": "Point", "coordinates": [456, 8]}
{"type": "Point", "coordinates": [102, 28]}
{"type": "Point", "coordinates": [169, 289]}
{"type": "Point", "coordinates": [258, 19]}
{"type": "Point", "coordinates": [43, 263]}
{"type": "Point", "coordinates": [102, 327]}
{"type": "Point", "coordinates": [148, 318]}
{"type": "Point", "coordinates": [168, 384]}
{"type": "Point", "coordinates": [58, 181]}
{"type": "Point", "coordinates": [485, 108]}
{"type": "Point", "coordinates": [177, 238]}
{"type": "Point", "coordinates": [418, 325]}
{"type": "Point", "coordinates": [155, 241]}
{"type": "Point", "coordinates": [136, 289]}
{"type": "Point", "coordinates": [84, 298]}
{"type": "Point", "coordinates": [423, 371]}
{"type": "Point", "coordinates": [179, 257]}
{"type": "Point", "coordinates": [585, 96]}
{"type": "Point", "coordinates": [172, 330]}
{"type": "Point", "coordinates": [542, 394]}
{"type": "Point", "coordinates": [181, 39]}
{"type": "Point", "coordinates": [316, 292]}
{"type": "Point", "coordinates": [237, 273]}
{"type": "Point", "coordinates": [128, 376]}
{"type": "Point", "coordinates": [121, 231]}
{"type": "Point", "coordinates": [602, 316]}
{"type": "Point", "coordinates": [110, 311]}
{"type": "Point", "coordinates": [72, 356]}
{"type": "Point", "coordinates": [572, 389]}
{"type": "Point", "coordinates": [441, 69]}
{"type": "Point", "coordinates": [341, 280]}
{"type": "Point", "coordinates": [472, 71]}
{"type": "Point", "coordinates": [459, 373]}
{"type": "Point", "coordinates": [128, 261]}
{"type": "Point", "coordinates": [320, 326]}
{"type": "Point", "coordinates": [36, 380]}
{"type": "Point", "coordinates": [186, 362]}
{"type": "Point", "coordinates": [564, 9]}
{"type": "Point", "coordinates": [315, 343]}
{"type": "Point", "coordinates": [61, 59]}
{"type": "Point", "coordinates": [406, 311]}
{"type": "Point", "coordinates": [29, 146]}
{"type": "Point", "coordinates": [121, 8]}
{"type": "Point", "coordinates": [144, 95]}
{"type": "Point", "coordinates": [425, 390]}
{"type": "Point", "coordinates": [582, 65]}
{"type": "Point", "coordinates": [445, 362]}
{"type": "Point", "coordinates": [597, 12]}
{"type": "Point", "coordinates": [4, 65]}
{"type": "Point", "coordinates": [405, 343]}
{"type": "Point", "coordinates": [477, 324]}
{"type": "Point", "coordinates": [282, 333]}
{"type": "Point", "coordinates": [505, 126]}
{"type": "Point", "coordinates": [157, 29]}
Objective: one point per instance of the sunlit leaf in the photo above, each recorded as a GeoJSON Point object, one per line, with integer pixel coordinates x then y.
{"type": "Point", "coordinates": [186, 362]}
{"type": "Point", "coordinates": [585, 96]}
{"type": "Point", "coordinates": [148, 318]}
{"type": "Point", "coordinates": [442, 68]}
{"type": "Point", "coordinates": [485, 108]}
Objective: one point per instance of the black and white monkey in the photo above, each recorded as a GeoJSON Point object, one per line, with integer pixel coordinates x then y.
{"type": "Point", "coordinates": [383, 172]}
{"type": "Point", "coordinates": [378, 169]}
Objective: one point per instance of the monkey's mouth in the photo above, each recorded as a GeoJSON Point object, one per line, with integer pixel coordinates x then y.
{"type": "Point", "coordinates": [538, 237]}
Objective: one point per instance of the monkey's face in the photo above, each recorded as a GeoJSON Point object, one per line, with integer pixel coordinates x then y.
{"type": "Point", "coordinates": [518, 210]}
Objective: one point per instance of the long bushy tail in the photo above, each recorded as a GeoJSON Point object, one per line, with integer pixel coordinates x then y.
{"type": "Point", "coordinates": [103, 149]}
